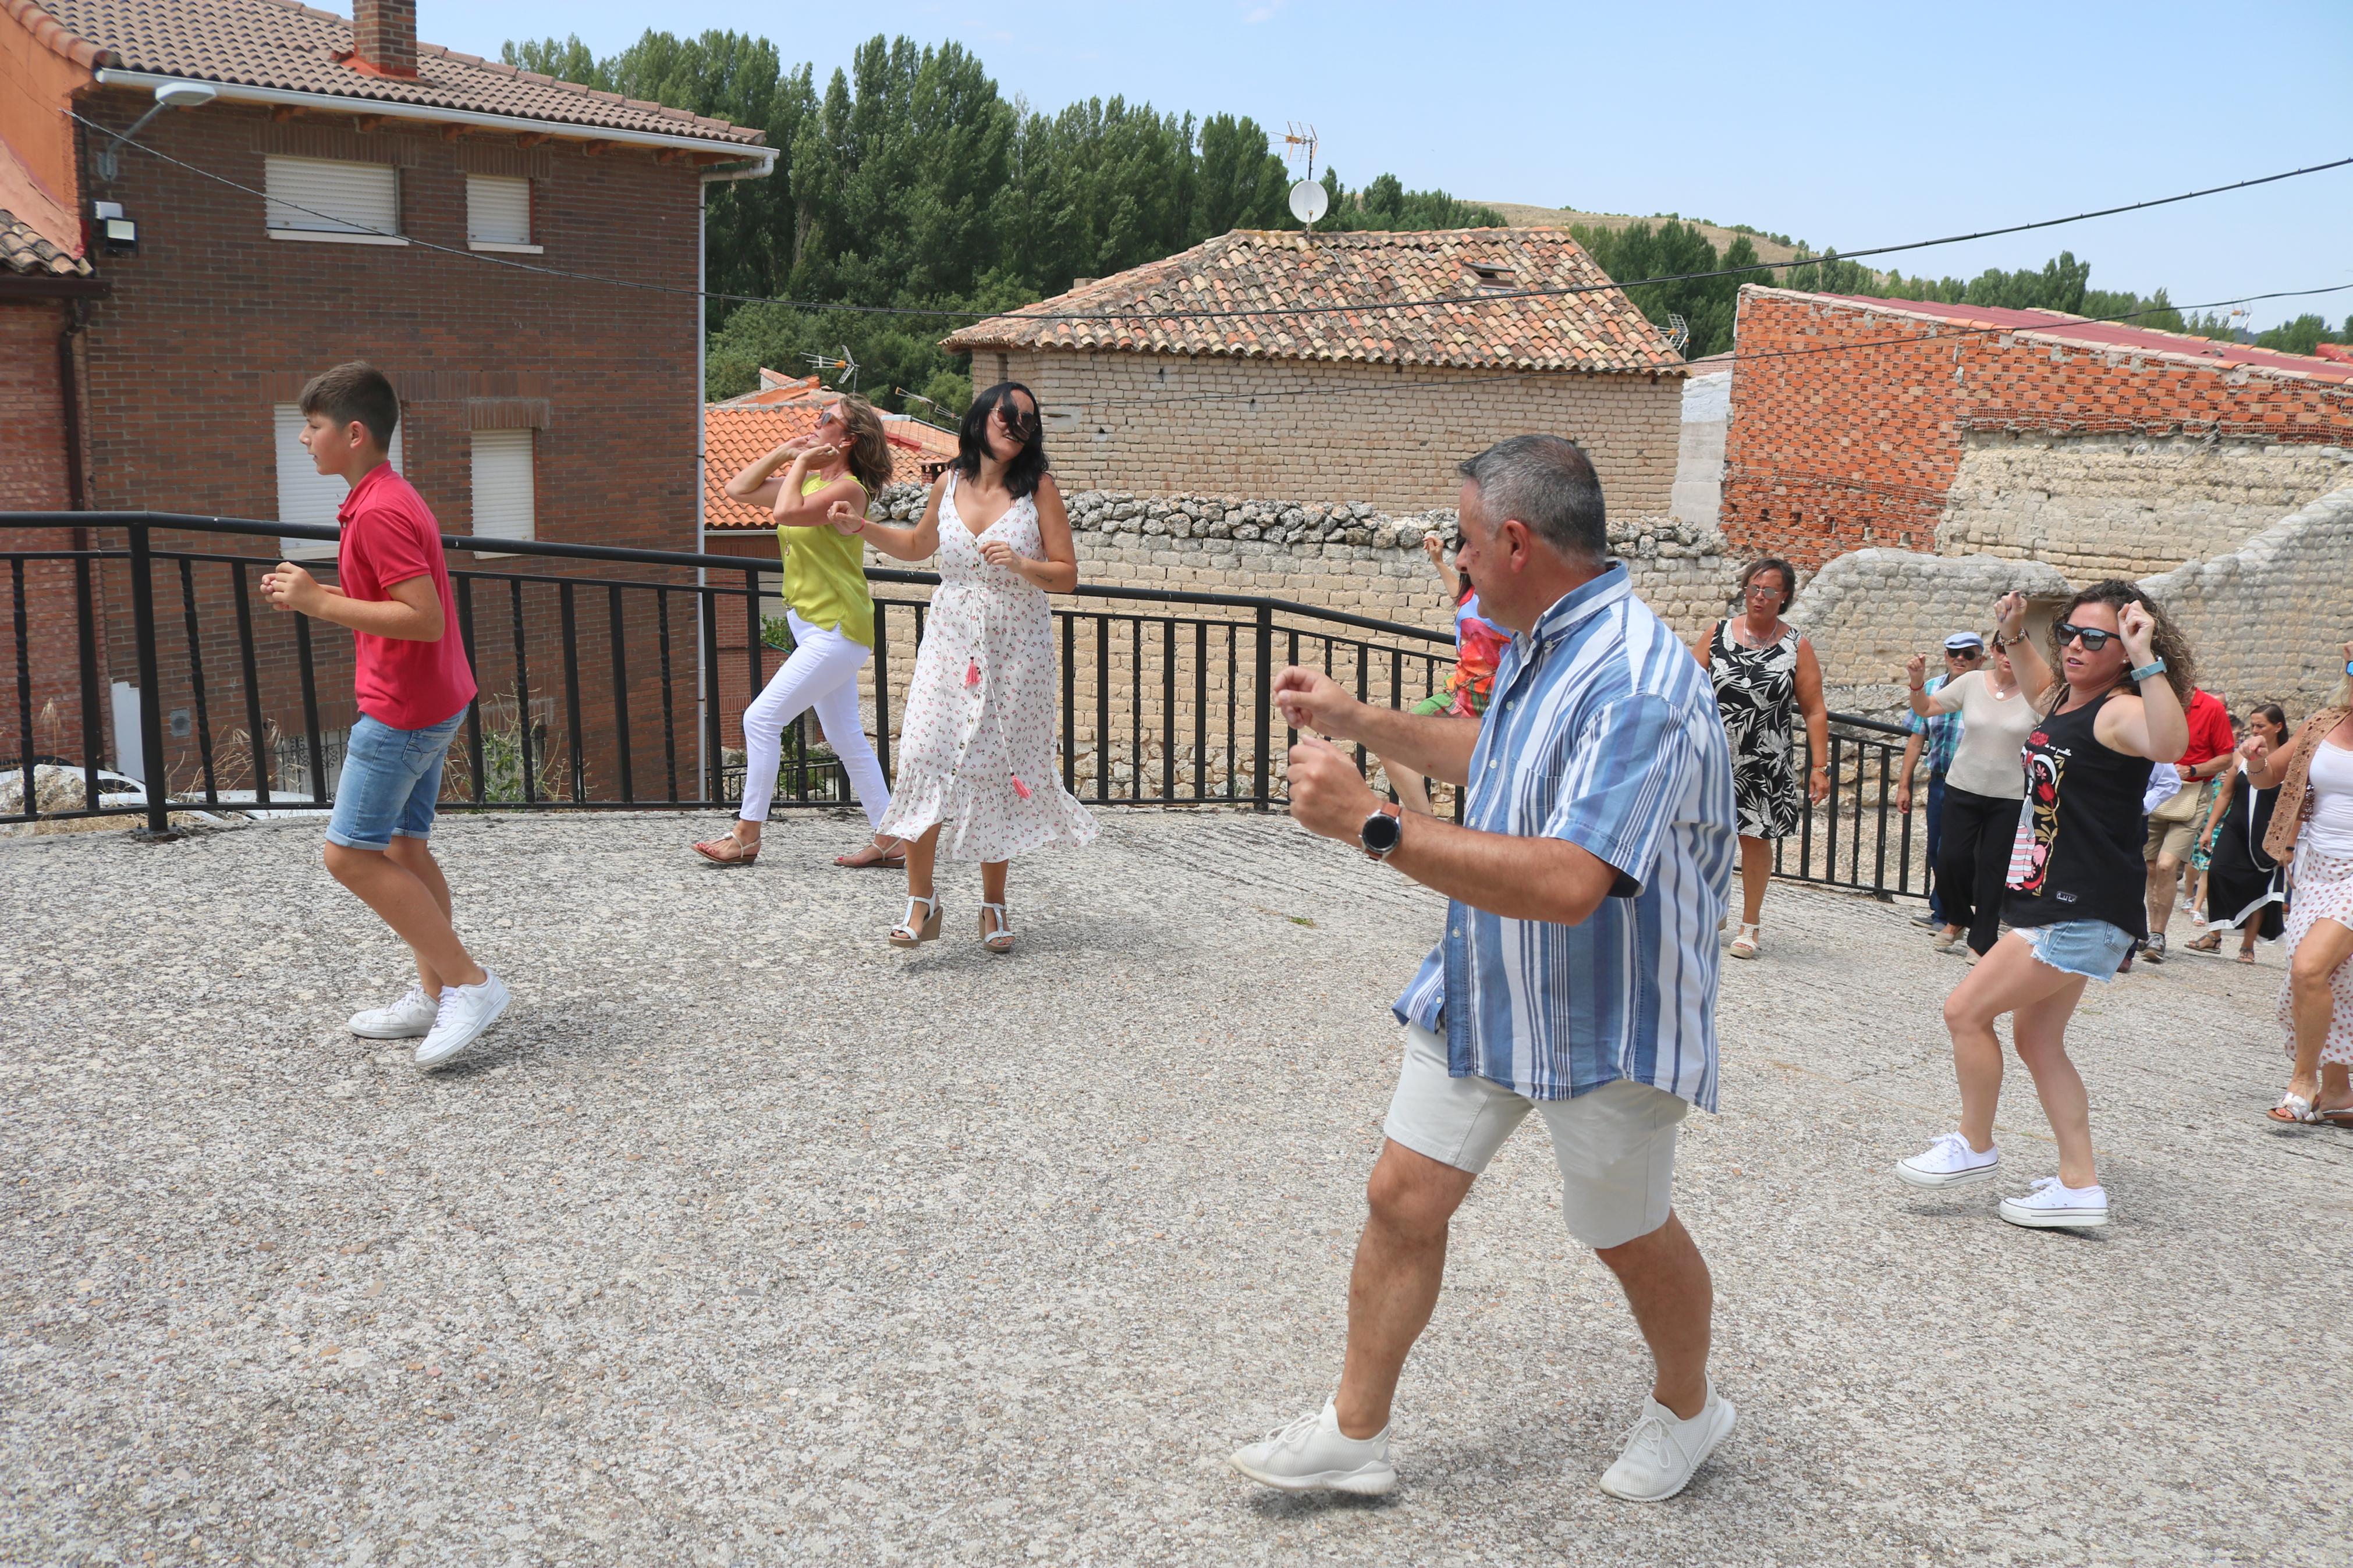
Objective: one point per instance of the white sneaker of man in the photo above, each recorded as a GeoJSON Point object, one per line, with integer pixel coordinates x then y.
{"type": "Point", "coordinates": [1662, 1450]}
{"type": "Point", "coordinates": [2052, 1205]}
{"type": "Point", "coordinates": [1949, 1162]}
{"type": "Point", "coordinates": [465, 1013]}
{"type": "Point", "coordinates": [1312, 1455]}
{"type": "Point", "coordinates": [405, 1019]}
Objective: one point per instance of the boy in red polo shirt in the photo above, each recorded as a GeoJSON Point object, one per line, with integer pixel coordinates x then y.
{"type": "Point", "coordinates": [414, 684]}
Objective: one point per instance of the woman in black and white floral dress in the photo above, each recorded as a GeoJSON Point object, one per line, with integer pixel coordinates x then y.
{"type": "Point", "coordinates": [976, 751]}
{"type": "Point", "coordinates": [1764, 672]}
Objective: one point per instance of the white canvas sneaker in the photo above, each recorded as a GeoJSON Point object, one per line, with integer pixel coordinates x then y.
{"type": "Point", "coordinates": [466, 1011]}
{"type": "Point", "coordinates": [1949, 1162]}
{"type": "Point", "coordinates": [1312, 1455]}
{"type": "Point", "coordinates": [2052, 1206]}
{"type": "Point", "coordinates": [403, 1020]}
{"type": "Point", "coordinates": [1663, 1451]}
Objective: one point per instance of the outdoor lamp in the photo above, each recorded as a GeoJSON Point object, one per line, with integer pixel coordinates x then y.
{"type": "Point", "coordinates": [168, 95]}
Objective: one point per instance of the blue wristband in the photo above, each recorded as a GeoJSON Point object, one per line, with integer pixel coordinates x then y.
{"type": "Point", "coordinates": [2153, 667]}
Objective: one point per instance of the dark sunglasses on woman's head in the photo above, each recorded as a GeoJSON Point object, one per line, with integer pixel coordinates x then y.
{"type": "Point", "coordinates": [2094, 639]}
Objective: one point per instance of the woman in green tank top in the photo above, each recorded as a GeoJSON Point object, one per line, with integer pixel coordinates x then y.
{"type": "Point", "coordinates": [830, 612]}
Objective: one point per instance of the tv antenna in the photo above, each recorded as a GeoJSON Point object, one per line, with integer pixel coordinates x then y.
{"type": "Point", "coordinates": [1678, 332]}
{"type": "Point", "coordinates": [1309, 199]}
{"type": "Point", "coordinates": [845, 365]}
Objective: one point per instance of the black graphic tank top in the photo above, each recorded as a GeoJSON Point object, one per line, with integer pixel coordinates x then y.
{"type": "Point", "coordinates": [2077, 856]}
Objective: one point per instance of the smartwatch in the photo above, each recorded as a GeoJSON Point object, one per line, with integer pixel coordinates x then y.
{"type": "Point", "coordinates": [1383, 832]}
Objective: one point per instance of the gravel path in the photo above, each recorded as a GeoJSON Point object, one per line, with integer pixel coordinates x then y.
{"type": "Point", "coordinates": [750, 1239]}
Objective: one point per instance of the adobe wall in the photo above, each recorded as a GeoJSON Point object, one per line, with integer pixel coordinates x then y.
{"type": "Point", "coordinates": [2119, 506]}
{"type": "Point", "coordinates": [1386, 435]}
{"type": "Point", "coordinates": [1850, 426]}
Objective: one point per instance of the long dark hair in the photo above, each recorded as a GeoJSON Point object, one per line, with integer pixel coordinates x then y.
{"type": "Point", "coordinates": [1029, 465]}
{"type": "Point", "coordinates": [2164, 638]}
{"type": "Point", "coordinates": [866, 449]}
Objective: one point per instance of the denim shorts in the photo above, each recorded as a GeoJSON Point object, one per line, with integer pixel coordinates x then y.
{"type": "Point", "coordinates": [2092, 949]}
{"type": "Point", "coordinates": [390, 780]}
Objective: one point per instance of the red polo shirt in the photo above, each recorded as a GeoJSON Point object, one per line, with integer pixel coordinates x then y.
{"type": "Point", "coordinates": [389, 537]}
{"type": "Point", "coordinates": [2210, 729]}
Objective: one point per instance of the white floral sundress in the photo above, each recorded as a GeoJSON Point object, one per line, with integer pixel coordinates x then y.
{"type": "Point", "coordinates": [976, 741]}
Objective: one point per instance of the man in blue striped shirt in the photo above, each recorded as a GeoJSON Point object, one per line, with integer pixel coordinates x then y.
{"type": "Point", "coordinates": [1577, 975]}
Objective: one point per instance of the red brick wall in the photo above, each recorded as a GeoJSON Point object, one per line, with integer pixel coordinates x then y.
{"type": "Point", "coordinates": [213, 323]}
{"type": "Point", "coordinates": [1853, 438]}
{"type": "Point", "coordinates": [33, 479]}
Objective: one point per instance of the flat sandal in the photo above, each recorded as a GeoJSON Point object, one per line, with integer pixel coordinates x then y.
{"type": "Point", "coordinates": [736, 853]}
{"type": "Point", "coordinates": [885, 860]}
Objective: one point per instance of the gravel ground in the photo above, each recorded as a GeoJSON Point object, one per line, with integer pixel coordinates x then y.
{"type": "Point", "coordinates": [750, 1239]}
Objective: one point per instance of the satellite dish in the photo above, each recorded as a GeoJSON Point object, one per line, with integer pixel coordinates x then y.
{"type": "Point", "coordinates": [1309, 201]}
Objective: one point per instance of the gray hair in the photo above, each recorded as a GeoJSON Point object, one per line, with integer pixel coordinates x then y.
{"type": "Point", "coordinates": [1550, 485]}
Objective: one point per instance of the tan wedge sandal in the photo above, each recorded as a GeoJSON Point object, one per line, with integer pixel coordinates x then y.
{"type": "Point", "coordinates": [1001, 939]}
{"type": "Point", "coordinates": [908, 933]}
{"type": "Point", "coordinates": [728, 850]}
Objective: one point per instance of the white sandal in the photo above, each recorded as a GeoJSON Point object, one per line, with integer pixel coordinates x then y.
{"type": "Point", "coordinates": [1001, 939]}
{"type": "Point", "coordinates": [907, 932]}
{"type": "Point", "coordinates": [1745, 944]}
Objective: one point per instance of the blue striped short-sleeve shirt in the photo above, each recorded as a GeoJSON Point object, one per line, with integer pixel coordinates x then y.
{"type": "Point", "coordinates": [1603, 731]}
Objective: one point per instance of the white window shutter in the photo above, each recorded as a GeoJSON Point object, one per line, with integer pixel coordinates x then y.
{"type": "Point", "coordinates": [498, 209]}
{"type": "Point", "coordinates": [304, 494]}
{"type": "Point", "coordinates": [323, 195]}
{"type": "Point", "coordinates": [505, 496]}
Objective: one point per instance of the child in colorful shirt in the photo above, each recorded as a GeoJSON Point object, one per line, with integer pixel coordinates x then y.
{"type": "Point", "coordinates": [1478, 645]}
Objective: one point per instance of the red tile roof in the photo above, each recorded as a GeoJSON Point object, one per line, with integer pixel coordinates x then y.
{"type": "Point", "coordinates": [733, 434]}
{"type": "Point", "coordinates": [1264, 269]}
{"type": "Point", "coordinates": [280, 43]}
{"type": "Point", "coordinates": [2076, 331]}
{"type": "Point", "coordinates": [23, 251]}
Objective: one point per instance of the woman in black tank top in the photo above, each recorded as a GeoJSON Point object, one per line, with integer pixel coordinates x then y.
{"type": "Point", "coordinates": [2116, 705]}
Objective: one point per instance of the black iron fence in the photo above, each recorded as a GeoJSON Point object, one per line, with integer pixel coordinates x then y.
{"type": "Point", "coordinates": [614, 678]}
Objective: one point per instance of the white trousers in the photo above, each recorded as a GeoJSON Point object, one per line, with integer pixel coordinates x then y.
{"type": "Point", "coordinates": [821, 674]}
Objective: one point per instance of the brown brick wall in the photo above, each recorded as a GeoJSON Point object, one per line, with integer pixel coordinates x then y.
{"type": "Point", "coordinates": [213, 323]}
{"type": "Point", "coordinates": [1853, 439]}
{"type": "Point", "coordinates": [1389, 435]}
{"type": "Point", "coordinates": [33, 477]}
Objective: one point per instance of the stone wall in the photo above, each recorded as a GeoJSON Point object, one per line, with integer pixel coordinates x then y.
{"type": "Point", "coordinates": [1386, 435]}
{"type": "Point", "coordinates": [2100, 506]}
{"type": "Point", "coordinates": [2264, 620]}
{"type": "Point", "coordinates": [1334, 555]}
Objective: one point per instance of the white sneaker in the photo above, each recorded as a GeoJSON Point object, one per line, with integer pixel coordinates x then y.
{"type": "Point", "coordinates": [465, 1012]}
{"type": "Point", "coordinates": [2053, 1204]}
{"type": "Point", "coordinates": [1949, 1162]}
{"type": "Point", "coordinates": [1312, 1455]}
{"type": "Point", "coordinates": [403, 1020]}
{"type": "Point", "coordinates": [1663, 1451]}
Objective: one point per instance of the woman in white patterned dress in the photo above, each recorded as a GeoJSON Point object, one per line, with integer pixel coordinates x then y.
{"type": "Point", "coordinates": [977, 753]}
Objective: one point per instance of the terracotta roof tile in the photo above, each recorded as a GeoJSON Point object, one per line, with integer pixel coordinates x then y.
{"type": "Point", "coordinates": [23, 251]}
{"type": "Point", "coordinates": [733, 434]}
{"type": "Point", "coordinates": [1262, 269]}
{"type": "Point", "coordinates": [280, 43]}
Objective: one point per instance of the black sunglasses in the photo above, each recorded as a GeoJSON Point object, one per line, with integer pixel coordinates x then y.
{"type": "Point", "coordinates": [1017, 425]}
{"type": "Point", "coordinates": [2094, 639]}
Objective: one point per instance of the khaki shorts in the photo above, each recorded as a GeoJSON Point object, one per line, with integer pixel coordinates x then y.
{"type": "Point", "coordinates": [2174, 838]}
{"type": "Point", "coordinates": [1615, 1144]}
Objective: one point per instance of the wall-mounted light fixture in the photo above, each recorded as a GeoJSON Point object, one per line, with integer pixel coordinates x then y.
{"type": "Point", "coordinates": [121, 235]}
{"type": "Point", "coordinates": [168, 95]}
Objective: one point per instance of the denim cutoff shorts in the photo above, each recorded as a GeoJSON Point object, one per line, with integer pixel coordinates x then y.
{"type": "Point", "coordinates": [2092, 949]}
{"type": "Point", "coordinates": [391, 779]}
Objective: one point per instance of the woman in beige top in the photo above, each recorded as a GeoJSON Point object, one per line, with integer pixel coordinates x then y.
{"type": "Point", "coordinates": [1984, 783]}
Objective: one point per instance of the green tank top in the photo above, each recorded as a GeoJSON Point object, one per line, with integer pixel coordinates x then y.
{"type": "Point", "coordinates": [825, 574]}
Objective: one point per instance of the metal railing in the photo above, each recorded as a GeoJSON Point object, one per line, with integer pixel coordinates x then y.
{"type": "Point", "coordinates": [614, 678]}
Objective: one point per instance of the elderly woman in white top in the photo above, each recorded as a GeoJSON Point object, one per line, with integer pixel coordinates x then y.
{"type": "Point", "coordinates": [1984, 783]}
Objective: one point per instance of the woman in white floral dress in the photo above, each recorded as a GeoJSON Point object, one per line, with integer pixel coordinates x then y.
{"type": "Point", "coordinates": [977, 758]}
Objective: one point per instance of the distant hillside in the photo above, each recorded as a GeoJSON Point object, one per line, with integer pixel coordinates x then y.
{"type": "Point", "coordinates": [1520, 217]}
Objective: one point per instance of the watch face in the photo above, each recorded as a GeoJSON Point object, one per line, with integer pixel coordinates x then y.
{"type": "Point", "coordinates": [1381, 833]}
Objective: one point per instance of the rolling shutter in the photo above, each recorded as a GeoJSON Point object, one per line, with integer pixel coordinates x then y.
{"type": "Point", "coordinates": [498, 209]}
{"type": "Point", "coordinates": [304, 494]}
{"type": "Point", "coordinates": [503, 486]}
{"type": "Point", "coordinates": [322, 195]}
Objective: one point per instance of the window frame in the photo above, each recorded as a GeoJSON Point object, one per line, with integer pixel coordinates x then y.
{"type": "Point", "coordinates": [526, 247]}
{"type": "Point", "coordinates": [330, 236]}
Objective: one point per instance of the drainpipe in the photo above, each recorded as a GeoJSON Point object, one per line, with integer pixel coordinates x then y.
{"type": "Point", "coordinates": [70, 396]}
{"type": "Point", "coordinates": [704, 695]}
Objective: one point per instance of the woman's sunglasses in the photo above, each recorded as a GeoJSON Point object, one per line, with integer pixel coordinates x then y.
{"type": "Point", "coordinates": [1017, 425]}
{"type": "Point", "coordinates": [2092, 637]}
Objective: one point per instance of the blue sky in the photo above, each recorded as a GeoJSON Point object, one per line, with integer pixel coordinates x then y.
{"type": "Point", "coordinates": [1840, 124]}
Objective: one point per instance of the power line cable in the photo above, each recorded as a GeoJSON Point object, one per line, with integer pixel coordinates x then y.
{"type": "Point", "coordinates": [1025, 314]}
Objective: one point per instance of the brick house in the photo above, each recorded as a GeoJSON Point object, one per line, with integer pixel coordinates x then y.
{"type": "Point", "coordinates": [346, 192]}
{"type": "Point", "coordinates": [2099, 448]}
{"type": "Point", "coordinates": [1362, 404]}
